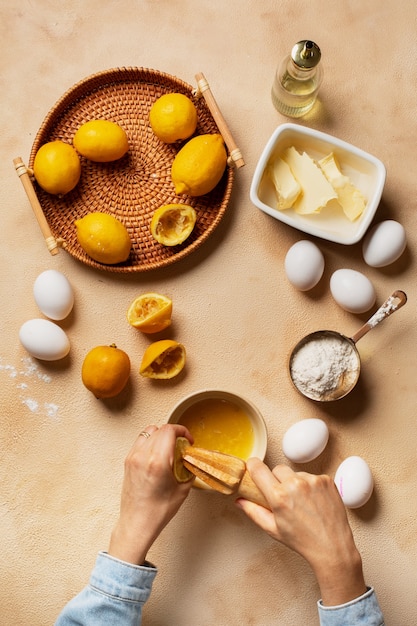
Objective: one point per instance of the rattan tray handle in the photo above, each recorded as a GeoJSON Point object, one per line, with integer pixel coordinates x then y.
{"type": "Point", "coordinates": [23, 174]}
{"type": "Point", "coordinates": [204, 88]}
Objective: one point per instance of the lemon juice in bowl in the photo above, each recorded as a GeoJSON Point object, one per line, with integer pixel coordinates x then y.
{"type": "Point", "coordinates": [221, 425]}
{"type": "Point", "coordinates": [224, 422]}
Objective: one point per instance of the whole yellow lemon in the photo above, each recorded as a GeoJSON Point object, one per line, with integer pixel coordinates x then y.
{"type": "Point", "coordinates": [173, 117]}
{"type": "Point", "coordinates": [57, 167]}
{"type": "Point", "coordinates": [103, 237]}
{"type": "Point", "coordinates": [105, 371]}
{"type": "Point", "coordinates": [101, 141]}
{"type": "Point", "coordinates": [199, 166]}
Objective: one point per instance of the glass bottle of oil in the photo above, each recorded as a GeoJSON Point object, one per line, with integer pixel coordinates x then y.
{"type": "Point", "coordinates": [297, 80]}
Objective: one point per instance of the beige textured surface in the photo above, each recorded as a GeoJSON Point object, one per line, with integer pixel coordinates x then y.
{"type": "Point", "coordinates": [62, 451]}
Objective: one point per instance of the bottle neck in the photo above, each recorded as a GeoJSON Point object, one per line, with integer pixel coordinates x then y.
{"type": "Point", "coordinates": [300, 73]}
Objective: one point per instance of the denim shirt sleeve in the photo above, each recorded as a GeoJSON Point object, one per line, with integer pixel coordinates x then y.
{"type": "Point", "coordinates": [116, 594]}
{"type": "Point", "coordinates": [363, 611]}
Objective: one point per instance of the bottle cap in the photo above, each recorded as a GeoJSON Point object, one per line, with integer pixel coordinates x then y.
{"type": "Point", "coordinates": [306, 54]}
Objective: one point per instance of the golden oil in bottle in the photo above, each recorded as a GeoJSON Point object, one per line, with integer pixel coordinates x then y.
{"type": "Point", "coordinates": [297, 80]}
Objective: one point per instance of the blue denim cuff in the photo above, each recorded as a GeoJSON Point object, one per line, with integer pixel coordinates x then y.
{"type": "Point", "coordinates": [364, 611]}
{"type": "Point", "coordinates": [120, 580]}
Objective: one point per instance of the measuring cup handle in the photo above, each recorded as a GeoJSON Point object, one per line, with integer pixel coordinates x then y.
{"type": "Point", "coordinates": [391, 304]}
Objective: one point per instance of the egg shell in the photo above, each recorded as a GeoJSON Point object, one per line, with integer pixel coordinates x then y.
{"type": "Point", "coordinates": [305, 440]}
{"type": "Point", "coordinates": [53, 294]}
{"type": "Point", "coordinates": [352, 290]}
{"type": "Point", "coordinates": [44, 340]}
{"type": "Point", "coordinates": [354, 482]}
{"type": "Point", "coordinates": [304, 265]}
{"type": "Point", "coordinates": [384, 243]}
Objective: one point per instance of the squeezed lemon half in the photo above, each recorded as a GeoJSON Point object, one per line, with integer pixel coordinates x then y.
{"type": "Point", "coordinates": [172, 224]}
{"type": "Point", "coordinates": [181, 473]}
{"type": "Point", "coordinates": [150, 312]}
{"type": "Point", "coordinates": [163, 359]}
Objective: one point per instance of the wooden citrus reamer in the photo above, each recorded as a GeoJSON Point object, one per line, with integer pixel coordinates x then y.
{"type": "Point", "coordinates": [221, 472]}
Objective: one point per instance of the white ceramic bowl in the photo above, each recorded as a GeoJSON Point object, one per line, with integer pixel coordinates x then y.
{"type": "Point", "coordinates": [258, 424]}
{"type": "Point", "coordinates": [365, 171]}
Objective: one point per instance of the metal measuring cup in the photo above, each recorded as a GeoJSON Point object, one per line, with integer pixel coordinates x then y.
{"type": "Point", "coordinates": [325, 365]}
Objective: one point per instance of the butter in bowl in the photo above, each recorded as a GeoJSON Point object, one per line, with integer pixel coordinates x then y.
{"type": "Point", "coordinates": [318, 184]}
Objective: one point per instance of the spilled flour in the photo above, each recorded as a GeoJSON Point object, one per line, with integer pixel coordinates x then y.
{"type": "Point", "coordinates": [24, 377]}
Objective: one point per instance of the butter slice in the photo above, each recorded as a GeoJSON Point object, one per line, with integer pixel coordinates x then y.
{"type": "Point", "coordinates": [350, 198]}
{"type": "Point", "coordinates": [316, 189]}
{"type": "Point", "coordinates": [286, 187]}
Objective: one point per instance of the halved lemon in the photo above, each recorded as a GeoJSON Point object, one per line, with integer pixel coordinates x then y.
{"type": "Point", "coordinates": [163, 359]}
{"type": "Point", "coordinates": [150, 312]}
{"type": "Point", "coordinates": [181, 473]}
{"type": "Point", "coordinates": [171, 224]}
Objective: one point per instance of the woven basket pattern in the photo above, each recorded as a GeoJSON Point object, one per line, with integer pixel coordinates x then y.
{"type": "Point", "coordinates": [133, 187]}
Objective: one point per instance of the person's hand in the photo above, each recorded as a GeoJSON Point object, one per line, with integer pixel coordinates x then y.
{"type": "Point", "coordinates": [151, 496]}
{"type": "Point", "coordinates": [307, 515]}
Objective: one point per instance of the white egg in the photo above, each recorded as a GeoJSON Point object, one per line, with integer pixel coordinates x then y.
{"type": "Point", "coordinates": [305, 440]}
{"type": "Point", "coordinates": [304, 265]}
{"type": "Point", "coordinates": [44, 340]}
{"type": "Point", "coordinates": [354, 482]}
{"type": "Point", "coordinates": [352, 290]}
{"type": "Point", "coordinates": [384, 243]}
{"type": "Point", "coordinates": [53, 294]}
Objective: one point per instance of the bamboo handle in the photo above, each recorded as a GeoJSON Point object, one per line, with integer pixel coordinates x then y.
{"type": "Point", "coordinates": [247, 489]}
{"type": "Point", "coordinates": [22, 172]}
{"type": "Point", "coordinates": [204, 89]}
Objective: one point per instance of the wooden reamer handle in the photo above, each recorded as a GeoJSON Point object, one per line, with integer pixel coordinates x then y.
{"type": "Point", "coordinates": [247, 489]}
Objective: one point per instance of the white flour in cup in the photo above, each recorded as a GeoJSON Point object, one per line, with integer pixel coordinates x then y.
{"type": "Point", "coordinates": [325, 368]}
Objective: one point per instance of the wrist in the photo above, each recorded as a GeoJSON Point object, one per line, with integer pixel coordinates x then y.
{"type": "Point", "coordinates": [341, 579]}
{"type": "Point", "coordinates": [127, 547]}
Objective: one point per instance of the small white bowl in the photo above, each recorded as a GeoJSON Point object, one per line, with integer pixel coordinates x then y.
{"type": "Point", "coordinates": [258, 424]}
{"type": "Point", "coordinates": [365, 171]}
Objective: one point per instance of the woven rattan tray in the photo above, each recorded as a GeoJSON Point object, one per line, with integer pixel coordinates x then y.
{"type": "Point", "coordinates": [132, 188]}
